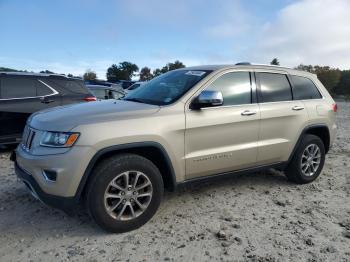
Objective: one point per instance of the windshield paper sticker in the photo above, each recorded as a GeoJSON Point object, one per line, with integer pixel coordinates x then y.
{"type": "Point", "coordinates": [195, 73]}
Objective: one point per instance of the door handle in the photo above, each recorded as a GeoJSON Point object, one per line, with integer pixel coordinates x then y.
{"type": "Point", "coordinates": [297, 108]}
{"type": "Point", "coordinates": [46, 101]}
{"type": "Point", "coordinates": [248, 113]}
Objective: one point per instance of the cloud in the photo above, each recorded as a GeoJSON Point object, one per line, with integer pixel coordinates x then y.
{"type": "Point", "coordinates": [158, 12]}
{"type": "Point", "coordinates": [76, 68]}
{"type": "Point", "coordinates": [309, 32]}
{"type": "Point", "coordinates": [231, 19]}
{"type": "Point", "coordinates": [155, 32]}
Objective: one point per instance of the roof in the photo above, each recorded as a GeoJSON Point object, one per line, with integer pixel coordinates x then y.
{"type": "Point", "coordinates": [36, 74]}
{"type": "Point", "coordinates": [251, 66]}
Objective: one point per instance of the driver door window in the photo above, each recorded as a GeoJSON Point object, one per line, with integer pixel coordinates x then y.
{"type": "Point", "coordinates": [235, 88]}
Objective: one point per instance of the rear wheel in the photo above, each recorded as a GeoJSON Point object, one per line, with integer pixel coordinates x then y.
{"type": "Point", "coordinates": [125, 192]}
{"type": "Point", "coordinates": [308, 160]}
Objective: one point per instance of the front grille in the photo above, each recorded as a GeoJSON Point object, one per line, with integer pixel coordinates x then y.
{"type": "Point", "coordinates": [28, 137]}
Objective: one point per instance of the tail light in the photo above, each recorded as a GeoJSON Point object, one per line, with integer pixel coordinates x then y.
{"type": "Point", "coordinates": [90, 98]}
{"type": "Point", "coordinates": [335, 107]}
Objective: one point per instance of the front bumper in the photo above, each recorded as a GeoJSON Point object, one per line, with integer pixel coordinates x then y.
{"type": "Point", "coordinates": [66, 204]}
{"type": "Point", "coordinates": [68, 169]}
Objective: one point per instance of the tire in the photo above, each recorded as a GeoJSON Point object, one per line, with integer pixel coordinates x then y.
{"type": "Point", "coordinates": [100, 189]}
{"type": "Point", "coordinates": [294, 171]}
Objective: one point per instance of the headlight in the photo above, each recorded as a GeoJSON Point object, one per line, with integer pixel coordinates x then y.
{"type": "Point", "coordinates": [59, 139]}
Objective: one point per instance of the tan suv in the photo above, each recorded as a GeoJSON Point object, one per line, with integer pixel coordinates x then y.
{"type": "Point", "coordinates": [187, 125]}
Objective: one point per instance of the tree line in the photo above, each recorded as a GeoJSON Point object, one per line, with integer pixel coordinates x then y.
{"type": "Point", "coordinates": [126, 70]}
{"type": "Point", "coordinates": [335, 80]}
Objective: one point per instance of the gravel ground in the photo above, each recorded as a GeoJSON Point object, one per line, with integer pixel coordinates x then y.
{"type": "Point", "coordinates": [253, 217]}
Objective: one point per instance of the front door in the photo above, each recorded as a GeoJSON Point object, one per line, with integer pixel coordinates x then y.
{"type": "Point", "coordinates": [223, 138]}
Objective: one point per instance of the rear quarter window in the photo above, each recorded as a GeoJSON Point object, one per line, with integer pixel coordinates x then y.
{"type": "Point", "coordinates": [304, 88]}
{"type": "Point", "coordinates": [42, 90]}
{"type": "Point", "coordinates": [68, 86]}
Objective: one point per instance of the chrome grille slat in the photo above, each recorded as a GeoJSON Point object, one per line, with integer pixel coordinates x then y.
{"type": "Point", "coordinates": [28, 137]}
{"type": "Point", "coordinates": [25, 134]}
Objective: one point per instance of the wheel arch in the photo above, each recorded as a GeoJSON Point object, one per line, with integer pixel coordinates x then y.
{"type": "Point", "coordinates": [319, 130]}
{"type": "Point", "coordinates": [322, 132]}
{"type": "Point", "coordinates": [153, 151]}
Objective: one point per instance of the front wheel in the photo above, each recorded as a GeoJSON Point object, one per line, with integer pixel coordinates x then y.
{"type": "Point", "coordinates": [125, 192]}
{"type": "Point", "coordinates": [308, 160]}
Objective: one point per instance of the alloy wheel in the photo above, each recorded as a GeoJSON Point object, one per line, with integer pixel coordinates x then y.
{"type": "Point", "coordinates": [128, 195]}
{"type": "Point", "coordinates": [310, 160]}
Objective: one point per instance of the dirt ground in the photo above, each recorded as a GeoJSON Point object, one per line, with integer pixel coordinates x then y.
{"type": "Point", "coordinates": [254, 217]}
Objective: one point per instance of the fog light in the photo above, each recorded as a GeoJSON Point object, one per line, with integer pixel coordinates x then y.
{"type": "Point", "coordinates": [50, 175]}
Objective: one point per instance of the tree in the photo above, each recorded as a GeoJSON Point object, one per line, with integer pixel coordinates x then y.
{"type": "Point", "coordinates": [329, 77]}
{"type": "Point", "coordinates": [168, 67]}
{"type": "Point", "coordinates": [6, 69]}
{"type": "Point", "coordinates": [113, 73]}
{"type": "Point", "coordinates": [145, 74]}
{"type": "Point", "coordinates": [343, 87]}
{"type": "Point", "coordinates": [89, 75]}
{"type": "Point", "coordinates": [307, 68]}
{"type": "Point", "coordinates": [157, 72]}
{"type": "Point", "coordinates": [275, 62]}
{"type": "Point", "coordinates": [46, 72]}
{"type": "Point", "coordinates": [124, 71]}
{"type": "Point", "coordinates": [176, 65]}
{"type": "Point", "coordinates": [172, 66]}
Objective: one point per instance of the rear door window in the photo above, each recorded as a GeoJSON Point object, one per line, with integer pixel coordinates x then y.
{"type": "Point", "coordinates": [69, 86]}
{"type": "Point", "coordinates": [304, 88]}
{"type": "Point", "coordinates": [274, 87]}
{"type": "Point", "coordinates": [17, 87]}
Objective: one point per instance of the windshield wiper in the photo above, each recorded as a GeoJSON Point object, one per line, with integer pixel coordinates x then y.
{"type": "Point", "coordinates": [135, 100]}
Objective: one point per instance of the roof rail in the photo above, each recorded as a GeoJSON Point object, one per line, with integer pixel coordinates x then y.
{"type": "Point", "coordinates": [243, 63]}
{"type": "Point", "coordinates": [21, 73]}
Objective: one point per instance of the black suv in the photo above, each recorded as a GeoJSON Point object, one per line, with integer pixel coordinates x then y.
{"type": "Point", "coordinates": [22, 94]}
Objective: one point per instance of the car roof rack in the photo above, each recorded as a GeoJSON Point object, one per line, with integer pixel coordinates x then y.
{"type": "Point", "coordinates": [21, 73]}
{"type": "Point", "coordinates": [243, 63]}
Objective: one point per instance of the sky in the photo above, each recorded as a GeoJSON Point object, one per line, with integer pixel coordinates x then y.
{"type": "Point", "coordinates": [71, 36]}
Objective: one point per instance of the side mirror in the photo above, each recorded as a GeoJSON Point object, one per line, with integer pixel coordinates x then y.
{"type": "Point", "coordinates": [208, 98]}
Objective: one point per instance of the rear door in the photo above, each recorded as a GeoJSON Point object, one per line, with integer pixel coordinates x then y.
{"type": "Point", "coordinates": [223, 138]}
{"type": "Point", "coordinates": [305, 89]}
{"type": "Point", "coordinates": [282, 118]}
{"type": "Point", "coordinates": [20, 97]}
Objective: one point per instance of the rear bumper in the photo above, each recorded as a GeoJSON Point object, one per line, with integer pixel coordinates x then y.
{"type": "Point", "coordinates": [67, 204]}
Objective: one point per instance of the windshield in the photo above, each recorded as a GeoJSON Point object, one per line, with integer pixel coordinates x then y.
{"type": "Point", "coordinates": [134, 86]}
{"type": "Point", "coordinates": [167, 88]}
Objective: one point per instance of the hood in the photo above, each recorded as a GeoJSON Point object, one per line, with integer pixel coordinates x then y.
{"type": "Point", "coordinates": [64, 118]}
